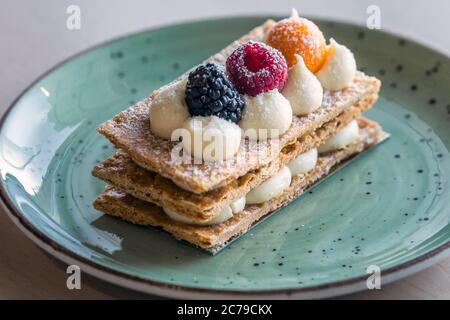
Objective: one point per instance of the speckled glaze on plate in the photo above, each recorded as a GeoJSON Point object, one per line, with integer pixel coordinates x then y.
{"type": "Point", "coordinates": [390, 208]}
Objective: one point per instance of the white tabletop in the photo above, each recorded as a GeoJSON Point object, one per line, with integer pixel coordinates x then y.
{"type": "Point", "coordinates": [34, 37]}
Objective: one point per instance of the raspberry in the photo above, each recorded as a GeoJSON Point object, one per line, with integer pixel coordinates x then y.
{"type": "Point", "coordinates": [209, 93]}
{"type": "Point", "coordinates": [255, 68]}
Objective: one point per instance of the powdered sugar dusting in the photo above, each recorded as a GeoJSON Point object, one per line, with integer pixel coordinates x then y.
{"type": "Point", "coordinates": [130, 130]}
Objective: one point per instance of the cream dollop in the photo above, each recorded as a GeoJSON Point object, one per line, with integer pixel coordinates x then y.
{"type": "Point", "coordinates": [168, 110]}
{"type": "Point", "coordinates": [303, 89]}
{"type": "Point", "coordinates": [270, 188]}
{"type": "Point", "coordinates": [339, 69]}
{"type": "Point", "coordinates": [238, 205]}
{"type": "Point", "coordinates": [342, 138]}
{"type": "Point", "coordinates": [222, 216]}
{"type": "Point", "coordinates": [211, 138]}
{"type": "Point", "coordinates": [268, 115]}
{"type": "Point", "coordinates": [294, 14]}
{"type": "Point", "coordinates": [304, 162]}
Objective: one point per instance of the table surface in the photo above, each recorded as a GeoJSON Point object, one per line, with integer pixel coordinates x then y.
{"type": "Point", "coordinates": [35, 38]}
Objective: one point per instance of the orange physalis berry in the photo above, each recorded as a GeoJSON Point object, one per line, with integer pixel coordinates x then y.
{"type": "Point", "coordinates": [299, 36]}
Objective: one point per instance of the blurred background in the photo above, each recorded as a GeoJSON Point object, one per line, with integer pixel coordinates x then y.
{"type": "Point", "coordinates": [34, 38]}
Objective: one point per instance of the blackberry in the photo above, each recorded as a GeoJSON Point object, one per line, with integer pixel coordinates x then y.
{"type": "Point", "coordinates": [209, 93]}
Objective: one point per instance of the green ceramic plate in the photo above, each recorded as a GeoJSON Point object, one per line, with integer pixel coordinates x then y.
{"type": "Point", "coordinates": [390, 208]}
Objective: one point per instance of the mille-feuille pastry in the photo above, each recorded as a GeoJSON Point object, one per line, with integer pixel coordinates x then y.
{"type": "Point", "coordinates": [212, 153]}
{"type": "Point", "coordinates": [215, 237]}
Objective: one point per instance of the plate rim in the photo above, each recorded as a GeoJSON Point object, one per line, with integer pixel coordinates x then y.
{"type": "Point", "coordinates": [149, 286]}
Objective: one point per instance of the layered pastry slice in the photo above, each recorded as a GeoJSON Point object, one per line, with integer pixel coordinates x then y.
{"type": "Point", "coordinates": [209, 155]}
